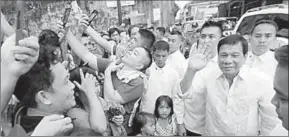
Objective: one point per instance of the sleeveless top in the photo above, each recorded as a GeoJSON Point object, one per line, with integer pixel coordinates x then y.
{"type": "Point", "coordinates": [169, 130]}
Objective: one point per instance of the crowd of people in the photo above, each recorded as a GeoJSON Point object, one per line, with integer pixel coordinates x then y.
{"type": "Point", "coordinates": [137, 82]}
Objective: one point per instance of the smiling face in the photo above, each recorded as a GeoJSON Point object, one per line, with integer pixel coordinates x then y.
{"type": "Point", "coordinates": [231, 59]}
{"type": "Point", "coordinates": [263, 36]}
{"type": "Point", "coordinates": [280, 99]}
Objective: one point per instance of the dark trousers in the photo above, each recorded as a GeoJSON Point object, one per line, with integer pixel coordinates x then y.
{"type": "Point", "coordinates": [189, 133]}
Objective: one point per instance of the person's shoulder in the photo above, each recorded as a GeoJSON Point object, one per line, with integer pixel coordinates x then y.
{"type": "Point", "coordinates": [255, 74]}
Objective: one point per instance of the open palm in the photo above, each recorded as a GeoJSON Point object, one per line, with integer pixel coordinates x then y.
{"type": "Point", "coordinates": [199, 58]}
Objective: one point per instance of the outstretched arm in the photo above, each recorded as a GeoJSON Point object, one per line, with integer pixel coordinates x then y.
{"type": "Point", "coordinates": [99, 40]}
{"type": "Point", "coordinates": [81, 51]}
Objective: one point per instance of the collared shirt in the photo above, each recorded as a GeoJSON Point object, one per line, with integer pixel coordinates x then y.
{"type": "Point", "coordinates": [178, 62]}
{"type": "Point", "coordinates": [265, 63]}
{"type": "Point", "coordinates": [235, 111]}
{"type": "Point", "coordinates": [194, 113]}
{"type": "Point", "coordinates": [162, 81]}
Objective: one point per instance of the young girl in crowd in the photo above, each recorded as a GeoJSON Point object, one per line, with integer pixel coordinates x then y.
{"type": "Point", "coordinates": [166, 124]}
{"type": "Point", "coordinates": [144, 124]}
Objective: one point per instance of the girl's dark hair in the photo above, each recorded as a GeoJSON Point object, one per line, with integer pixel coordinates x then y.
{"type": "Point", "coordinates": [168, 100]}
{"type": "Point", "coordinates": [140, 120]}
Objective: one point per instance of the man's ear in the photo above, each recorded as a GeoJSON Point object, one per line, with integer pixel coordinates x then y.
{"type": "Point", "coordinates": [44, 97]}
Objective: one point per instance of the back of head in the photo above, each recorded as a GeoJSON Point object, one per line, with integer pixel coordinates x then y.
{"type": "Point", "coordinates": [161, 45]}
{"type": "Point", "coordinates": [48, 37]}
{"type": "Point", "coordinates": [211, 23]}
{"type": "Point", "coordinates": [49, 45]}
{"type": "Point", "coordinates": [148, 36]}
{"type": "Point", "coordinates": [140, 120]}
{"type": "Point", "coordinates": [233, 40]}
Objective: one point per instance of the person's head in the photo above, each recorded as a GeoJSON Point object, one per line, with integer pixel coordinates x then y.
{"type": "Point", "coordinates": [210, 34]}
{"type": "Point", "coordinates": [280, 99]}
{"type": "Point", "coordinates": [144, 38]}
{"type": "Point", "coordinates": [114, 34]}
{"type": "Point", "coordinates": [160, 53]}
{"type": "Point", "coordinates": [160, 32]}
{"type": "Point", "coordinates": [232, 52]}
{"type": "Point", "coordinates": [132, 31]}
{"type": "Point", "coordinates": [144, 123]}
{"type": "Point", "coordinates": [263, 36]}
{"type": "Point", "coordinates": [139, 59]}
{"type": "Point", "coordinates": [50, 40]}
{"type": "Point", "coordinates": [164, 107]}
{"type": "Point", "coordinates": [47, 89]}
{"type": "Point", "coordinates": [175, 41]}
{"type": "Point", "coordinates": [46, 85]}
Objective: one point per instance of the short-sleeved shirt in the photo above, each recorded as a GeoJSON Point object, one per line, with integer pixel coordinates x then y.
{"type": "Point", "coordinates": [130, 92]}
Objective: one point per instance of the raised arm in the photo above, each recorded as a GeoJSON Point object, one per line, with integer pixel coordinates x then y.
{"type": "Point", "coordinates": [81, 51]}
{"type": "Point", "coordinates": [198, 60]}
{"type": "Point", "coordinates": [99, 40]}
{"type": "Point", "coordinates": [15, 61]}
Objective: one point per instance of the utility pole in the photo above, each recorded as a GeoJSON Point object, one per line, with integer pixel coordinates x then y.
{"type": "Point", "coordinates": [119, 12]}
{"type": "Point", "coordinates": [149, 12]}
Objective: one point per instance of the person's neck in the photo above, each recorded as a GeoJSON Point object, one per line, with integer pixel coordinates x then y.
{"type": "Point", "coordinates": [161, 66]}
{"type": "Point", "coordinates": [231, 79]}
{"type": "Point", "coordinates": [128, 69]}
{"type": "Point", "coordinates": [259, 54]}
{"type": "Point", "coordinates": [163, 119]}
{"type": "Point", "coordinates": [39, 112]}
